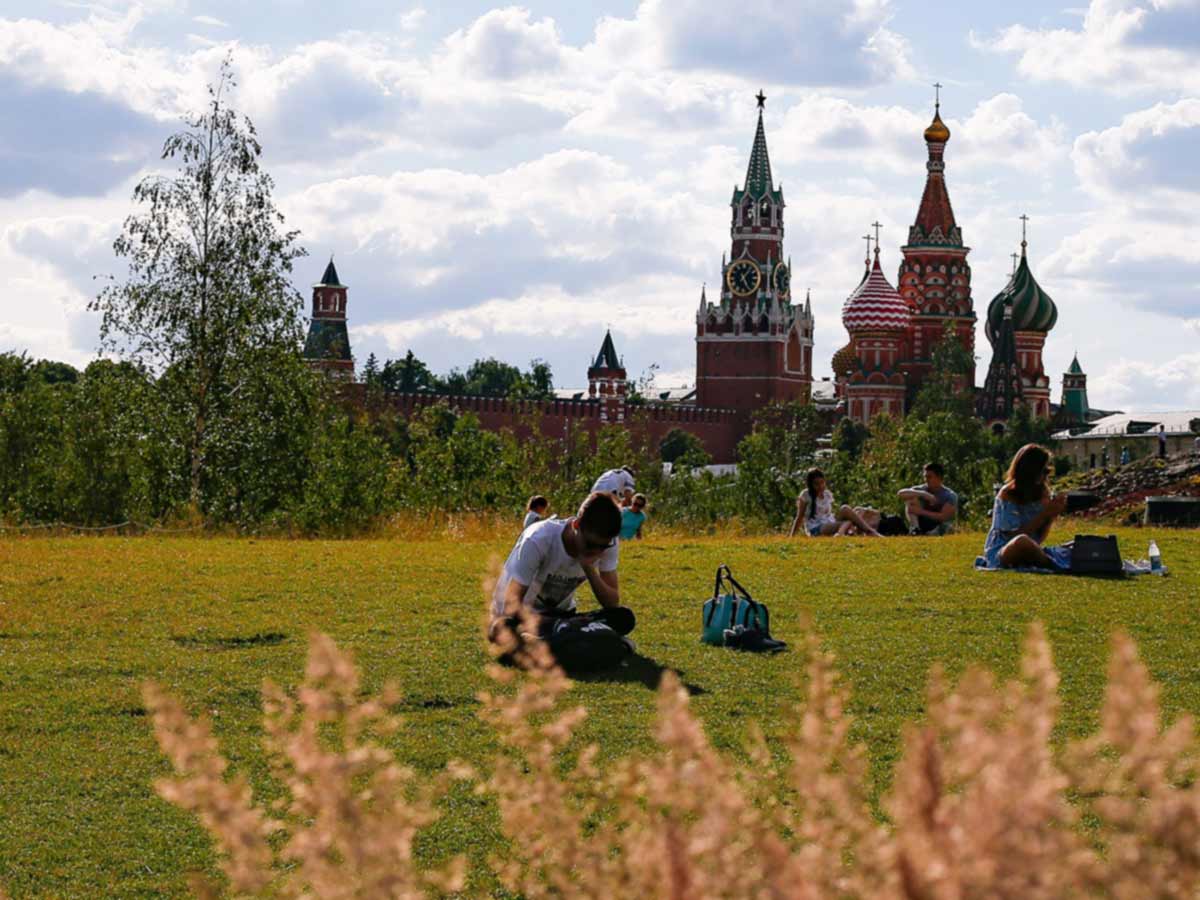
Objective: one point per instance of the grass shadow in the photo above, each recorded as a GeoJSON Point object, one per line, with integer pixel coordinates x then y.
{"type": "Point", "coordinates": [637, 669]}
{"type": "Point", "coordinates": [235, 642]}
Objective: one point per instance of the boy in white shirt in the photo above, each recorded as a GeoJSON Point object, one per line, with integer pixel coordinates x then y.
{"type": "Point", "coordinates": [552, 558]}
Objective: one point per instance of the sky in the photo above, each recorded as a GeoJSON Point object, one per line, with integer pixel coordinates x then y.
{"type": "Point", "coordinates": [510, 181]}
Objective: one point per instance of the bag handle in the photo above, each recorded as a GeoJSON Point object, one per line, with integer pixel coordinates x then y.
{"type": "Point", "coordinates": [723, 574]}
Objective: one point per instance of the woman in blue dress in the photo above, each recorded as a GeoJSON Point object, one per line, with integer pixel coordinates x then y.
{"type": "Point", "coordinates": [1024, 511]}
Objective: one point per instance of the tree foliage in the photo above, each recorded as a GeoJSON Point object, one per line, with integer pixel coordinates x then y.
{"type": "Point", "coordinates": [207, 300]}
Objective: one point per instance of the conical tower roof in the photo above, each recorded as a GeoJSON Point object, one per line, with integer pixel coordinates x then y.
{"type": "Point", "coordinates": [875, 305]}
{"type": "Point", "coordinates": [607, 357]}
{"type": "Point", "coordinates": [1003, 389]}
{"type": "Point", "coordinates": [1032, 308]}
{"type": "Point", "coordinates": [758, 182]}
{"type": "Point", "coordinates": [1075, 368]}
{"type": "Point", "coordinates": [330, 278]}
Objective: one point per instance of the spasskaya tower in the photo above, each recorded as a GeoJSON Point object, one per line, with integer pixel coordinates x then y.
{"type": "Point", "coordinates": [753, 346]}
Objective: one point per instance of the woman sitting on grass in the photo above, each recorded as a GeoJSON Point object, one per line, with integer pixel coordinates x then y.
{"type": "Point", "coordinates": [819, 516]}
{"type": "Point", "coordinates": [1024, 511]}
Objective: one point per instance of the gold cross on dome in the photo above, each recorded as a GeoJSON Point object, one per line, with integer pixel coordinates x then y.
{"type": "Point", "coordinates": [1024, 222]}
{"type": "Point", "coordinates": [937, 93]}
{"type": "Point", "coordinates": [876, 226]}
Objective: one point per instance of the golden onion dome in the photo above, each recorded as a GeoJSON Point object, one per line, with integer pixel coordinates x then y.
{"type": "Point", "coordinates": [844, 361]}
{"type": "Point", "coordinates": [937, 132]}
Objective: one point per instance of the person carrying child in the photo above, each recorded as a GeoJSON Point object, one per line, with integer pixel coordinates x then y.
{"type": "Point", "coordinates": [618, 482]}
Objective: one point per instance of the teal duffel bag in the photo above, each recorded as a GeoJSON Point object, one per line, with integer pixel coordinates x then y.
{"type": "Point", "coordinates": [729, 606]}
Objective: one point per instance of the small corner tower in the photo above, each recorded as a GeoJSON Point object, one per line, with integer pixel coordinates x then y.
{"type": "Point", "coordinates": [1074, 408]}
{"type": "Point", "coordinates": [328, 345]}
{"type": "Point", "coordinates": [753, 345]}
{"type": "Point", "coordinates": [607, 382]}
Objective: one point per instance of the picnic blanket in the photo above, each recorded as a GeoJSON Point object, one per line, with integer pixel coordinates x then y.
{"type": "Point", "coordinates": [1129, 568]}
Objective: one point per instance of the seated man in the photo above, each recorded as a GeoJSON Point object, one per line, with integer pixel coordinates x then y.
{"type": "Point", "coordinates": [549, 561]}
{"type": "Point", "coordinates": [930, 507]}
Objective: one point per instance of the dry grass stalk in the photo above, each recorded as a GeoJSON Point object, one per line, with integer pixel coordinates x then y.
{"type": "Point", "coordinates": [351, 812]}
{"type": "Point", "coordinates": [979, 806]}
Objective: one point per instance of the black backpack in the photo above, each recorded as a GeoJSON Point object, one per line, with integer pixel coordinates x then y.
{"type": "Point", "coordinates": [589, 643]}
{"type": "Point", "coordinates": [890, 526]}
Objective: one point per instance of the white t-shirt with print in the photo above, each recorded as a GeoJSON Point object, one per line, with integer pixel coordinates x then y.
{"type": "Point", "coordinates": [614, 481]}
{"type": "Point", "coordinates": [823, 513]}
{"type": "Point", "coordinates": [539, 560]}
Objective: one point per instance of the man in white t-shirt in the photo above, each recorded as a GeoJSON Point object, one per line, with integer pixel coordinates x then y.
{"type": "Point", "coordinates": [552, 558]}
{"type": "Point", "coordinates": [618, 482]}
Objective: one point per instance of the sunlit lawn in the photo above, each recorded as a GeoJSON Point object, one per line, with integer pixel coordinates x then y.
{"type": "Point", "coordinates": [84, 622]}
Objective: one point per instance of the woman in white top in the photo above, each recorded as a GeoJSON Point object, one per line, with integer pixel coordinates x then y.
{"type": "Point", "coordinates": [820, 517]}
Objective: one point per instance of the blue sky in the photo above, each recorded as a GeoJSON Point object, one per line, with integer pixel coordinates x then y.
{"type": "Point", "coordinates": [510, 180]}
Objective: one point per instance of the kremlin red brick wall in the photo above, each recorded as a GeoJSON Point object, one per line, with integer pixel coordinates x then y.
{"type": "Point", "coordinates": [719, 430]}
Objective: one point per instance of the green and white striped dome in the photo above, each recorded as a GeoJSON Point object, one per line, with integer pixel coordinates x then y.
{"type": "Point", "coordinates": [1032, 308]}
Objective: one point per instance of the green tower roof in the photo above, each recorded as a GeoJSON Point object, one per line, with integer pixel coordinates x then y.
{"type": "Point", "coordinates": [1075, 368]}
{"type": "Point", "coordinates": [1032, 308]}
{"type": "Point", "coordinates": [758, 172]}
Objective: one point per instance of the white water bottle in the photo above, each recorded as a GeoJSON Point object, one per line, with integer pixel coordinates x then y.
{"type": "Point", "coordinates": [1155, 559]}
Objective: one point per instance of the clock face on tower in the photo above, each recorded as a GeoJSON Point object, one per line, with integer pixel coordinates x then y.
{"type": "Point", "coordinates": [781, 278]}
{"type": "Point", "coordinates": [743, 277]}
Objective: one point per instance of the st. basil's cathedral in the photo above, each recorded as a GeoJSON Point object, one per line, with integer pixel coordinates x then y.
{"type": "Point", "coordinates": [754, 340]}
{"type": "Point", "coordinates": [893, 331]}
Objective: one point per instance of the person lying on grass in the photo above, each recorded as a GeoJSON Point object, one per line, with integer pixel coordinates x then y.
{"type": "Point", "coordinates": [551, 559]}
{"type": "Point", "coordinates": [821, 518]}
{"type": "Point", "coordinates": [1023, 513]}
{"type": "Point", "coordinates": [930, 508]}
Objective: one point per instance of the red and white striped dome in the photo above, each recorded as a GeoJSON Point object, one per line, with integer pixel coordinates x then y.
{"type": "Point", "coordinates": [875, 305]}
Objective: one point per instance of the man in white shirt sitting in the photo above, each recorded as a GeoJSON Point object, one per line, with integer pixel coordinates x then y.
{"type": "Point", "coordinates": [551, 559]}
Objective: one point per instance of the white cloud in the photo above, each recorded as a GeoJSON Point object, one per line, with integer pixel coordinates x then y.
{"type": "Point", "coordinates": [506, 44]}
{"type": "Point", "coordinates": [412, 19]}
{"type": "Point", "coordinates": [211, 21]}
{"type": "Point", "coordinates": [806, 42]}
{"type": "Point", "coordinates": [1121, 46]}
{"type": "Point", "coordinates": [1171, 384]}
{"type": "Point", "coordinates": [997, 133]}
{"type": "Point", "coordinates": [1150, 155]}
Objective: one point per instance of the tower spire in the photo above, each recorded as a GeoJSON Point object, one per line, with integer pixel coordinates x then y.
{"type": "Point", "coordinates": [1024, 242]}
{"type": "Point", "coordinates": [758, 172]}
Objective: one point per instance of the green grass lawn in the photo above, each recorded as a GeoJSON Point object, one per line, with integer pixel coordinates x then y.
{"type": "Point", "coordinates": [84, 622]}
